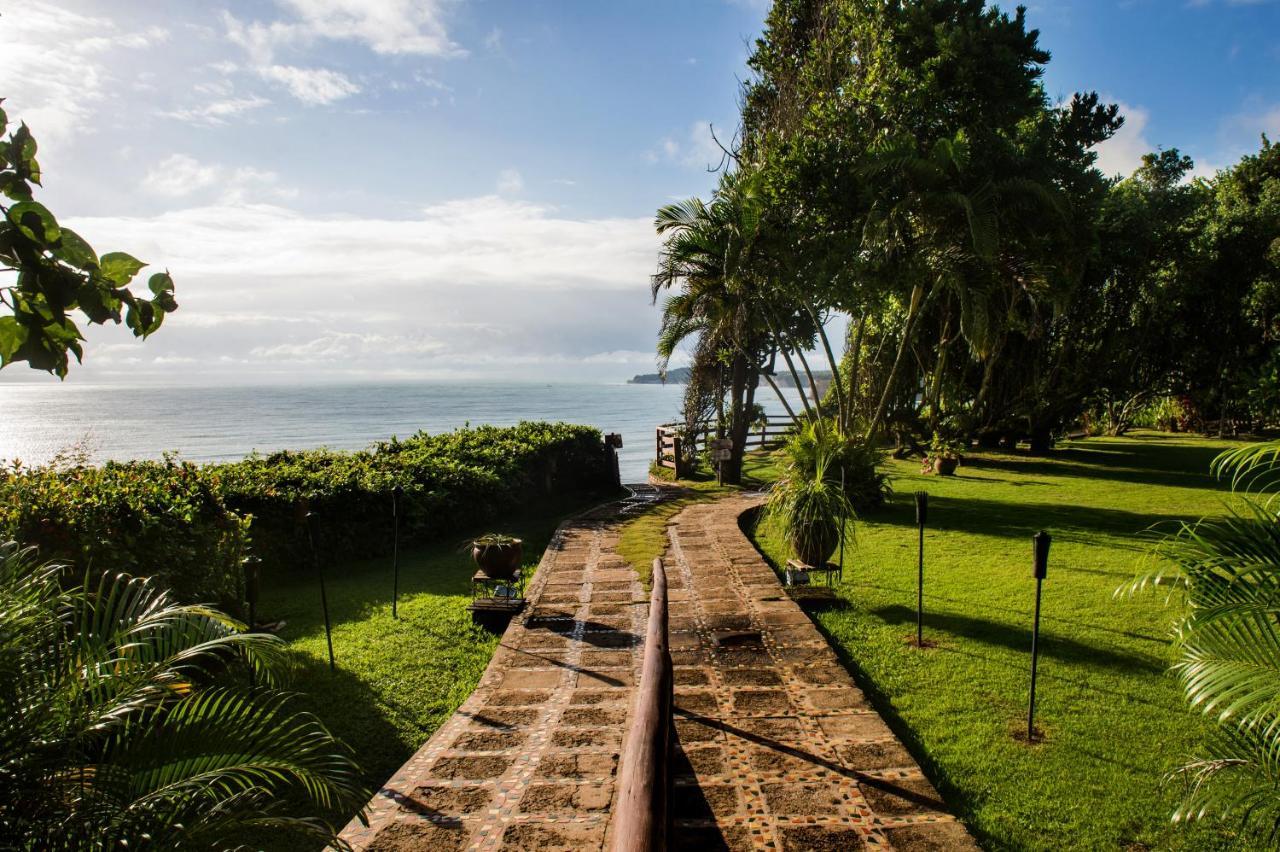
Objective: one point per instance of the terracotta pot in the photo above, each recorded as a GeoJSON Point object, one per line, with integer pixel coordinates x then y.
{"type": "Point", "coordinates": [499, 561]}
{"type": "Point", "coordinates": [945, 465]}
{"type": "Point", "coordinates": [814, 544]}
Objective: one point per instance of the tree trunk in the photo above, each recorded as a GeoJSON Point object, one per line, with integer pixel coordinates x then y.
{"type": "Point", "coordinates": [917, 296]}
{"type": "Point", "coordinates": [732, 469]}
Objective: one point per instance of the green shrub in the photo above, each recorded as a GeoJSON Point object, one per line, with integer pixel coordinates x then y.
{"type": "Point", "coordinates": [162, 519]}
{"type": "Point", "coordinates": [188, 526]}
{"type": "Point", "coordinates": [845, 456]}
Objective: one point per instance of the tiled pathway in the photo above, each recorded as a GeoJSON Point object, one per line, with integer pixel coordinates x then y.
{"type": "Point", "coordinates": [528, 761]}
{"type": "Point", "coordinates": [778, 749]}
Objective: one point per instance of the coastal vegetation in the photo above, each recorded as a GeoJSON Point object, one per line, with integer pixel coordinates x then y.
{"type": "Point", "coordinates": [190, 526]}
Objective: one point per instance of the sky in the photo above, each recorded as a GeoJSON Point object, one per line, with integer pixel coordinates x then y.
{"type": "Point", "coordinates": [464, 189]}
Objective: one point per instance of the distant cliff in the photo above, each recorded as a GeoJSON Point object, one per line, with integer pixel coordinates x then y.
{"type": "Point", "coordinates": [680, 376]}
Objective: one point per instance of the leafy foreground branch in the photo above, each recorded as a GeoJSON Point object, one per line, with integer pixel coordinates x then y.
{"type": "Point", "coordinates": [120, 726]}
{"type": "Point", "coordinates": [1229, 646]}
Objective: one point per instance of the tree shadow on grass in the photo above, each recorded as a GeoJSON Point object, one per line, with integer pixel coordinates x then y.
{"type": "Point", "coordinates": [1177, 465]}
{"type": "Point", "coordinates": [1021, 520]}
{"type": "Point", "coordinates": [1019, 639]}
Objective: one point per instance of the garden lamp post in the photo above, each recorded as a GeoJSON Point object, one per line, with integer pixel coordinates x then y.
{"type": "Point", "coordinates": [922, 513]}
{"type": "Point", "coordinates": [1041, 542]}
{"type": "Point", "coordinates": [397, 494]}
{"type": "Point", "coordinates": [313, 523]}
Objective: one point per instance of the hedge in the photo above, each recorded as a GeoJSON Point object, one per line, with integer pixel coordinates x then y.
{"type": "Point", "coordinates": [190, 525]}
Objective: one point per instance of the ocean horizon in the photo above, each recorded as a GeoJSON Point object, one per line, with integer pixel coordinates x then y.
{"type": "Point", "coordinates": [218, 423]}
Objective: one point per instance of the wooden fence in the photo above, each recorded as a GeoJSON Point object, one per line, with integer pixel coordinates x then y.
{"type": "Point", "coordinates": [640, 818]}
{"type": "Point", "coordinates": [672, 444]}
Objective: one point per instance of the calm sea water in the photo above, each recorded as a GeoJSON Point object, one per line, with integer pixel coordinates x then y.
{"type": "Point", "coordinates": [226, 423]}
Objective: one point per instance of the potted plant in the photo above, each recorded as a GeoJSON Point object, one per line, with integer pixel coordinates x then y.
{"type": "Point", "coordinates": [944, 456]}
{"type": "Point", "coordinates": [497, 555]}
{"type": "Point", "coordinates": [809, 507]}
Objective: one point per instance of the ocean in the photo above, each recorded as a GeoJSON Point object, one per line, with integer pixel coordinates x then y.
{"type": "Point", "coordinates": [226, 423]}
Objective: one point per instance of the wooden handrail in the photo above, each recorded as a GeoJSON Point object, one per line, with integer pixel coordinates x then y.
{"type": "Point", "coordinates": [640, 817]}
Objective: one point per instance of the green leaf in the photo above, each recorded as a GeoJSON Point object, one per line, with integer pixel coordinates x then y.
{"type": "Point", "coordinates": [35, 222]}
{"type": "Point", "coordinates": [12, 335]}
{"type": "Point", "coordinates": [160, 283]}
{"type": "Point", "coordinates": [14, 187]}
{"type": "Point", "coordinates": [97, 302]}
{"type": "Point", "coordinates": [75, 251]}
{"type": "Point", "coordinates": [120, 267]}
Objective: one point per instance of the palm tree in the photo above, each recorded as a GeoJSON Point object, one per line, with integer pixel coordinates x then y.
{"type": "Point", "coordinates": [1228, 644]}
{"type": "Point", "coordinates": [120, 725]}
{"type": "Point", "coordinates": [707, 253]}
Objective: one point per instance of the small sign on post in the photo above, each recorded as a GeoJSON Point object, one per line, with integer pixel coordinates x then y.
{"type": "Point", "coordinates": [721, 451]}
{"type": "Point", "coordinates": [1041, 542]}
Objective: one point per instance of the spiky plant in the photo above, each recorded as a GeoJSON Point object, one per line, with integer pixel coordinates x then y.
{"type": "Point", "coordinates": [808, 505]}
{"type": "Point", "coordinates": [120, 726]}
{"type": "Point", "coordinates": [1228, 645]}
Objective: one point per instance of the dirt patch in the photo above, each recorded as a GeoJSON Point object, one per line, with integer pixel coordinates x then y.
{"type": "Point", "coordinates": [868, 757]}
{"type": "Point", "coordinates": [577, 765]}
{"type": "Point", "coordinates": [750, 658]}
{"type": "Point", "coordinates": [751, 677]}
{"type": "Point", "coordinates": [787, 730]}
{"type": "Point", "coordinates": [689, 731]}
{"type": "Point", "coordinates": [584, 737]}
{"type": "Point", "coordinates": [447, 800]}
{"type": "Point", "coordinates": [592, 716]}
{"type": "Point", "coordinates": [704, 838]}
{"type": "Point", "coordinates": [593, 696]}
{"type": "Point", "coordinates": [606, 659]}
{"type": "Point", "coordinates": [535, 660]}
{"type": "Point", "coordinates": [803, 799]}
{"type": "Point", "coordinates": [836, 699]}
{"type": "Point", "coordinates": [488, 740]}
{"type": "Point", "coordinates": [471, 768]}
{"type": "Point", "coordinates": [518, 698]}
{"type": "Point", "coordinates": [702, 703]}
{"type": "Point", "coordinates": [558, 837]}
{"type": "Point", "coordinates": [821, 675]}
{"type": "Point", "coordinates": [900, 796]}
{"type": "Point", "coordinates": [418, 834]}
{"type": "Point", "coordinates": [773, 760]}
{"type": "Point", "coordinates": [931, 837]}
{"type": "Point", "coordinates": [821, 838]}
{"type": "Point", "coordinates": [769, 701]}
{"type": "Point", "coordinates": [691, 677]}
{"type": "Point", "coordinates": [544, 798]}
{"type": "Point", "coordinates": [702, 761]}
{"type": "Point", "coordinates": [503, 719]}
{"type": "Point", "coordinates": [703, 801]}
{"type": "Point", "coordinates": [612, 585]}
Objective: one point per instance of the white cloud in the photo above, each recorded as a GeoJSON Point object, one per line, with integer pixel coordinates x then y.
{"type": "Point", "coordinates": [1122, 153]}
{"type": "Point", "coordinates": [696, 149]}
{"type": "Point", "coordinates": [217, 111]}
{"type": "Point", "coordinates": [510, 182]}
{"type": "Point", "coordinates": [56, 68]}
{"type": "Point", "coordinates": [493, 40]}
{"type": "Point", "coordinates": [179, 175]}
{"type": "Point", "coordinates": [477, 286]}
{"type": "Point", "coordinates": [315, 86]}
{"type": "Point", "coordinates": [384, 26]}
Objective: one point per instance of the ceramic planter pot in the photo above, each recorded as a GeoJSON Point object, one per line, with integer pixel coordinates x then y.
{"type": "Point", "coordinates": [813, 543]}
{"type": "Point", "coordinates": [499, 561]}
{"type": "Point", "coordinates": [945, 465]}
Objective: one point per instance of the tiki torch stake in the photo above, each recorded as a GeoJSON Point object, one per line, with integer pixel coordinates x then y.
{"type": "Point", "coordinates": [1041, 540]}
{"type": "Point", "coordinates": [396, 494]}
{"type": "Point", "coordinates": [312, 522]}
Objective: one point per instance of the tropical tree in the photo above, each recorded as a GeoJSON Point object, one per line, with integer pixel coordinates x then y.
{"type": "Point", "coordinates": [55, 274]}
{"type": "Point", "coordinates": [126, 722]}
{"type": "Point", "coordinates": [1228, 645]}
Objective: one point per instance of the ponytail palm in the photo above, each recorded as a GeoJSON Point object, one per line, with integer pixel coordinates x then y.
{"type": "Point", "coordinates": [120, 726]}
{"type": "Point", "coordinates": [1229, 646]}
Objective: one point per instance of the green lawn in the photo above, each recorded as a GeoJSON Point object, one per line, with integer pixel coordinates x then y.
{"type": "Point", "coordinates": [1114, 719]}
{"type": "Point", "coordinates": [396, 680]}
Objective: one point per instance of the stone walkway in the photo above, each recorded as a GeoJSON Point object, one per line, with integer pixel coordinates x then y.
{"type": "Point", "coordinates": [777, 748]}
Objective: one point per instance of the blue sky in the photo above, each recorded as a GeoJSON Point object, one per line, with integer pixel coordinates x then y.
{"type": "Point", "coordinates": [464, 188]}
